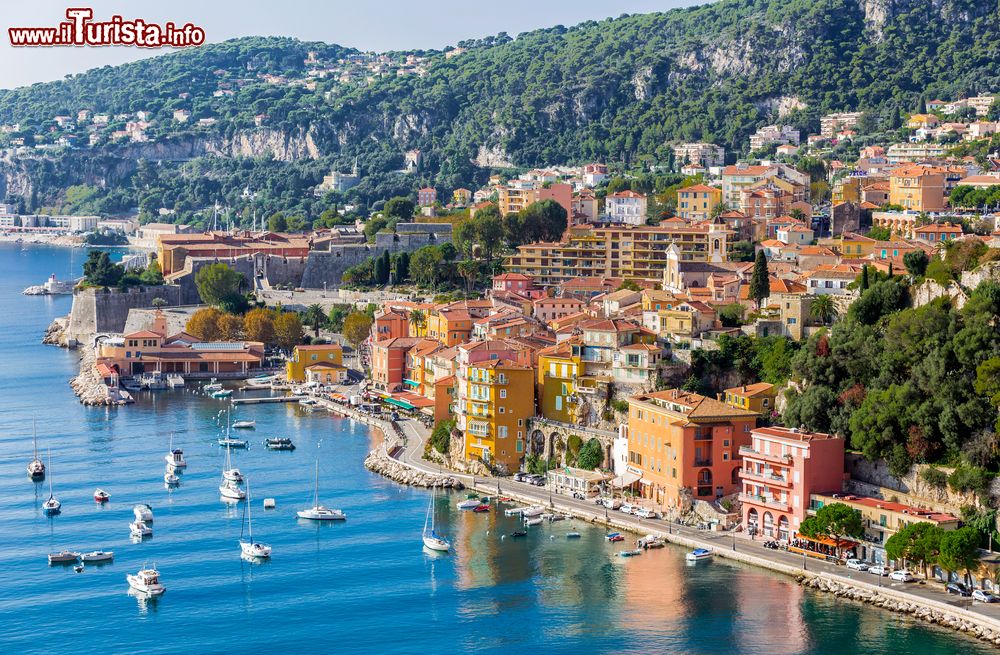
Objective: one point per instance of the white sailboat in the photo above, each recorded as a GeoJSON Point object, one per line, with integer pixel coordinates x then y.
{"type": "Point", "coordinates": [317, 512]}
{"type": "Point", "coordinates": [175, 458]}
{"type": "Point", "coordinates": [230, 488]}
{"type": "Point", "coordinates": [432, 539]}
{"type": "Point", "coordinates": [143, 512]}
{"type": "Point", "coordinates": [229, 472]}
{"type": "Point", "coordinates": [140, 529]}
{"type": "Point", "coordinates": [51, 506]}
{"type": "Point", "coordinates": [249, 547]}
{"type": "Point", "coordinates": [170, 479]}
{"type": "Point", "coordinates": [36, 468]}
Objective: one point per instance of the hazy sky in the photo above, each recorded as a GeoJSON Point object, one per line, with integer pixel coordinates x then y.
{"type": "Point", "coordinates": [367, 25]}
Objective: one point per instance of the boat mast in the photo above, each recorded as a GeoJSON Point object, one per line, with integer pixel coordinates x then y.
{"type": "Point", "coordinates": [49, 476]}
{"type": "Point", "coordinates": [316, 487]}
{"type": "Point", "coordinates": [247, 507]}
{"type": "Point", "coordinates": [34, 441]}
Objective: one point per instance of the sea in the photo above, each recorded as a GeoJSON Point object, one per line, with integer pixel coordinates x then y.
{"type": "Point", "coordinates": [365, 585]}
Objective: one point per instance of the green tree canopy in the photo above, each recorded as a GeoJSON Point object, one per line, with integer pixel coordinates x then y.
{"type": "Point", "coordinates": [217, 283]}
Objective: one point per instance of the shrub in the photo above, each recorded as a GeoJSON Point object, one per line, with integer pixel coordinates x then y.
{"type": "Point", "coordinates": [620, 406]}
{"type": "Point", "coordinates": [934, 477]}
{"type": "Point", "coordinates": [970, 478]}
{"type": "Point", "coordinates": [441, 436]}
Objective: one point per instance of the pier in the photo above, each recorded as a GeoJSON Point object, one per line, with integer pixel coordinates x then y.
{"type": "Point", "coordinates": [268, 399]}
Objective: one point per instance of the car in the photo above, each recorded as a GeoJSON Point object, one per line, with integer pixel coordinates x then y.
{"type": "Point", "coordinates": [984, 596]}
{"type": "Point", "coordinates": [538, 480]}
{"type": "Point", "coordinates": [612, 503]}
{"type": "Point", "coordinates": [857, 565]}
{"type": "Point", "coordinates": [902, 575]}
{"type": "Point", "coordinates": [878, 569]}
{"type": "Point", "coordinates": [520, 476]}
{"type": "Point", "coordinates": [628, 508]}
{"type": "Point", "coordinates": [958, 589]}
{"type": "Point", "coordinates": [645, 513]}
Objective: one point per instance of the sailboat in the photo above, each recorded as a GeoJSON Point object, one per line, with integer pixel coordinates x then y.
{"type": "Point", "coordinates": [231, 478]}
{"type": "Point", "coordinates": [251, 548]}
{"type": "Point", "coordinates": [36, 468]}
{"type": "Point", "coordinates": [432, 539]}
{"type": "Point", "coordinates": [317, 512]}
{"type": "Point", "coordinates": [229, 472]}
{"type": "Point", "coordinates": [175, 458]}
{"type": "Point", "coordinates": [51, 506]}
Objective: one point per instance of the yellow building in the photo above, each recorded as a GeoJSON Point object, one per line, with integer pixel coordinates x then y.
{"type": "Point", "coordinates": [698, 202]}
{"type": "Point", "coordinates": [559, 368]}
{"type": "Point", "coordinates": [305, 356]}
{"type": "Point", "coordinates": [498, 401]}
{"type": "Point", "coordinates": [855, 246]}
{"type": "Point", "coordinates": [449, 326]}
{"type": "Point", "coordinates": [758, 397]}
{"type": "Point", "coordinates": [847, 189]}
{"type": "Point", "coordinates": [917, 188]}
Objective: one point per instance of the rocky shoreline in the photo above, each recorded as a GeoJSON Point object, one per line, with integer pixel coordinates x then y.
{"type": "Point", "coordinates": [918, 611]}
{"type": "Point", "coordinates": [378, 462]}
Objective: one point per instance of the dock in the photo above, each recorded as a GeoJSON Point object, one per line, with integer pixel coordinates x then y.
{"type": "Point", "coordinates": [268, 399]}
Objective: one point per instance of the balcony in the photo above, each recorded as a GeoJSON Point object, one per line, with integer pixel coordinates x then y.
{"type": "Point", "coordinates": [703, 462]}
{"type": "Point", "coordinates": [747, 451]}
{"type": "Point", "coordinates": [767, 477]}
{"type": "Point", "coordinates": [767, 501]}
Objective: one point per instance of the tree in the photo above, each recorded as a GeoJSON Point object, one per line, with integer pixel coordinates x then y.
{"type": "Point", "coordinates": [357, 325]}
{"type": "Point", "coordinates": [545, 220]}
{"type": "Point", "coordinates": [836, 521]}
{"type": "Point", "coordinates": [277, 222]}
{"type": "Point", "coordinates": [336, 317]}
{"type": "Point", "coordinates": [217, 283]}
{"type": "Point", "coordinates": [760, 285]}
{"type": "Point", "coordinates": [258, 325]}
{"type": "Point", "coordinates": [916, 262]}
{"type": "Point", "coordinates": [823, 308]}
{"type": "Point", "coordinates": [382, 268]}
{"type": "Point", "coordinates": [158, 302]}
{"type": "Point", "coordinates": [960, 550]}
{"type": "Point", "coordinates": [401, 267]}
{"type": "Point", "coordinates": [288, 330]}
{"type": "Point", "coordinates": [425, 266]}
{"type": "Point", "coordinates": [100, 271]}
{"type": "Point", "coordinates": [374, 226]}
{"type": "Point", "coordinates": [489, 233]}
{"type": "Point", "coordinates": [151, 275]}
{"type": "Point", "coordinates": [230, 327]}
{"type": "Point", "coordinates": [204, 324]}
{"type": "Point", "coordinates": [418, 320]}
{"type": "Point", "coordinates": [469, 270]}
{"type": "Point", "coordinates": [591, 455]}
{"type": "Point", "coordinates": [917, 542]}
{"type": "Point", "coordinates": [315, 318]}
{"type": "Point", "coordinates": [441, 436]}
{"type": "Point", "coordinates": [864, 278]}
{"type": "Point", "coordinates": [399, 207]}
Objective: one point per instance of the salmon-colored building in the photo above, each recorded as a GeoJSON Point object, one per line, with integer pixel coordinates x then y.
{"type": "Point", "coordinates": [389, 362]}
{"type": "Point", "coordinates": [781, 467]}
{"type": "Point", "coordinates": [390, 324]}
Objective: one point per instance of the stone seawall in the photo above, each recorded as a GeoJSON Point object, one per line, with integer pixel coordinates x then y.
{"type": "Point", "coordinates": [96, 311]}
{"type": "Point", "coordinates": [379, 462]}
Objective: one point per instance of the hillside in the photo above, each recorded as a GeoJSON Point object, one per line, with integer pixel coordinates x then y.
{"type": "Point", "coordinates": [619, 90]}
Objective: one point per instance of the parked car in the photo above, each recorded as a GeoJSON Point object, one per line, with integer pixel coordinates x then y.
{"type": "Point", "coordinates": [520, 476]}
{"type": "Point", "coordinates": [538, 480]}
{"type": "Point", "coordinates": [878, 569]}
{"type": "Point", "coordinates": [902, 575]}
{"type": "Point", "coordinates": [958, 589]}
{"type": "Point", "coordinates": [645, 513]}
{"type": "Point", "coordinates": [984, 596]}
{"type": "Point", "coordinates": [857, 565]}
{"type": "Point", "coordinates": [612, 503]}
{"type": "Point", "coordinates": [628, 508]}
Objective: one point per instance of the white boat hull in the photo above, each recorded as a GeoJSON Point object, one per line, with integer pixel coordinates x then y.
{"type": "Point", "coordinates": [143, 514]}
{"type": "Point", "coordinates": [435, 543]}
{"type": "Point", "coordinates": [471, 503]}
{"type": "Point", "coordinates": [321, 514]}
{"type": "Point", "coordinates": [97, 556]}
{"type": "Point", "coordinates": [232, 493]}
{"type": "Point", "coordinates": [137, 583]}
{"type": "Point", "coordinates": [255, 549]}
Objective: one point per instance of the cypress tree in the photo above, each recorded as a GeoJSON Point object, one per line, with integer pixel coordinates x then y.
{"type": "Point", "coordinates": [864, 278]}
{"type": "Point", "coordinates": [890, 269]}
{"type": "Point", "coordinates": [760, 286]}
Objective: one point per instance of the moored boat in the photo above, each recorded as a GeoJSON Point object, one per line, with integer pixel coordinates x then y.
{"type": "Point", "coordinates": [532, 512]}
{"type": "Point", "coordinates": [279, 443]}
{"type": "Point", "coordinates": [140, 529]}
{"type": "Point", "coordinates": [170, 479]}
{"type": "Point", "coordinates": [614, 536]}
{"type": "Point", "coordinates": [468, 503]}
{"type": "Point", "coordinates": [63, 557]}
{"type": "Point", "coordinates": [572, 535]}
{"type": "Point", "coordinates": [231, 490]}
{"type": "Point", "coordinates": [535, 521]}
{"type": "Point", "coordinates": [229, 442]}
{"type": "Point", "coordinates": [143, 512]}
{"type": "Point", "coordinates": [432, 540]}
{"type": "Point", "coordinates": [96, 556]}
{"type": "Point", "coordinates": [698, 554]}
{"type": "Point", "coordinates": [175, 457]}
{"type": "Point", "coordinates": [519, 533]}
{"type": "Point", "coordinates": [222, 393]}
{"type": "Point", "coordinates": [318, 512]}
{"type": "Point", "coordinates": [101, 496]}
{"type": "Point", "coordinates": [51, 506]}
{"type": "Point", "coordinates": [146, 581]}
{"type": "Point", "coordinates": [480, 509]}
{"type": "Point", "coordinates": [249, 547]}
{"type": "Point", "coordinates": [36, 467]}
{"type": "Point", "coordinates": [244, 425]}
{"type": "Point", "coordinates": [630, 553]}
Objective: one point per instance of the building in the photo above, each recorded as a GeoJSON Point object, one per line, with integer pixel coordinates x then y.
{"type": "Point", "coordinates": [830, 279]}
{"type": "Point", "coordinates": [389, 362]}
{"type": "Point", "coordinates": [760, 397]}
{"type": "Point", "coordinates": [560, 380]}
{"type": "Point", "coordinates": [741, 176]}
{"type": "Point", "coordinates": [569, 480]}
{"type": "Point", "coordinates": [496, 399]}
{"type": "Point", "coordinates": [626, 207]}
{"type": "Point", "coordinates": [426, 197]}
{"type": "Point", "coordinates": [517, 283]}
{"type": "Point", "coordinates": [549, 309]}
{"type": "Point", "coordinates": [517, 195]}
{"type": "Point", "coordinates": [937, 232]}
{"type": "Point", "coordinates": [781, 469]}
{"type": "Point", "coordinates": [631, 252]}
{"type": "Point", "coordinates": [831, 124]}
{"type": "Point", "coordinates": [461, 197]}
{"type": "Point", "coordinates": [705, 155]}
{"type": "Point", "coordinates": [917, 188]}
{"type": "Point", "coordinates": [585, 207]}
{"type": "Point", "coordinates": [762, 203]}
{"type": "Point", "coordinates": [698, 202]}
{"type": "Point", "coordinates": [175, 249]}
{"type": "Point", "coordinates": [326, 373]}
{"type": "Point", "coordinates": [771, 134]}
{"type": "Point", "coordinates": [906, 153]}
{"type": "Point", "coordinates": [918, 121]}
{"type": "Point", "coordinates": [882, 519]}
{"type": "Point", "coordinates": [306, 356]}
{"type": "Point", "coordinates": [686, 446]}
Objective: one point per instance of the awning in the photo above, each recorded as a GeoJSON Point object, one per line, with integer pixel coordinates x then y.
{"type": "Point", "coordinates": [412, 383]}
{"type": "Point", "coordinates": [398, 403]}
{"type": "Point", "coordinates": [827, 541]}
{"type": "Point", "coordinates": [626, 479]}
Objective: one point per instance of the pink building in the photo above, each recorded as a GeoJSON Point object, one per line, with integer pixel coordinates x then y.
{"type": "Point", "coordinates": [549, 309]}
{"type": "Point", "coordinates": [515, 282]}
{"type": "Point", "coordinates": [781, 468]}
{"type": "Point", "coordinates": [427, 196]}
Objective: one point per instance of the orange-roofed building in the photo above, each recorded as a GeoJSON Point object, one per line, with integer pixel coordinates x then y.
{"type": "Point", "coordinates": [494, 402]}
{"type": "Point", "coordinates": [389, 362]}
{"type": "Point", "coordinates": [305, 356]}
{"type": "Point", "coordinates": [937, 232]}
{"type": "Point", "coordinates": [697, 202]}
{"type": "Point", "coordinates": [759, 397]}
{"type": "Point", "coordinates": [917, 188]}
{"type": "Point", "coordinates": [390, 323]}
{"type": "Point", "coordinates": [684, 443]}
{"type": "Point", "coordinates": [450, 326]}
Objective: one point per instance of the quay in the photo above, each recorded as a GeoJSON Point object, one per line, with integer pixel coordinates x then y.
{"type": "Point", "coordinates": [268, 400]}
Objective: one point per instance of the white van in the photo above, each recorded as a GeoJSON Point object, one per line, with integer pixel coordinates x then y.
{"type": "Point", "coordinates": [629, 508]}
{"type": "Point", "coordinates": [645, 513]}
{"type": "Point", "coordinates": [612, 503]}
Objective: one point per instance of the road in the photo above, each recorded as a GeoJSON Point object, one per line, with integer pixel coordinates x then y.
{"type": "Point", "coordinates": [412, 454]}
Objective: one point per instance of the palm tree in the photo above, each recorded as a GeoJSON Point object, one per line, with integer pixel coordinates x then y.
{"type": "Point", "coordinates": [315, 317]}
{"type": "Point", "coordinates": [469, 270]}
{"type": "Point", "coordinates": [823, 308]}
{"type": "Point", "coordinates": [418, 320]}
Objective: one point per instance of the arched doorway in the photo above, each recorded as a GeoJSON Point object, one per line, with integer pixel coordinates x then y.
{"type": "Point", "coordinates": [752, 521]}
{"type": "Point", "coordinates": [536, 446]}
{"type": "Point", "coordinates": [783, 528]}
{"type": "Point", "coordinates": [704, 482]}
{"type": "Point", "coordinates": [735, 478]}
{"type": "Point", "coordinates": [768, 524]}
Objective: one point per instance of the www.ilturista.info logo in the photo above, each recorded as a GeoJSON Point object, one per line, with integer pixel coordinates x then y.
{"type": "Point", "coordinates": [81, 30]}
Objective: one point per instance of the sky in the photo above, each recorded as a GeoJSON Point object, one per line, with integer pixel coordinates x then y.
{"type": "Point", "coordinates": [366, 25]}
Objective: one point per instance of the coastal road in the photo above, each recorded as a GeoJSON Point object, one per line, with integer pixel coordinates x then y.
{"type": "Point", "coordinates": [412, 455]}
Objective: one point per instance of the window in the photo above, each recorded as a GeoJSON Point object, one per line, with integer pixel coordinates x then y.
{"type": "Point", "coordinates": [501, 410]}
{"type": "Point", "coordinates": [520, 422]}
{"type": "Point", "coordinates": [503, 393]}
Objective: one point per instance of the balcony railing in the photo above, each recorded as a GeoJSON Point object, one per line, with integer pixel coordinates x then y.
{"type": "Point", "coordinates": [767, 477]}
{"type": "Point", "coordinates": [766, 501]}
{"type": "Point", "coordinates": [747, 451]}
{"type": "Point", "coordinates": [703, 462]}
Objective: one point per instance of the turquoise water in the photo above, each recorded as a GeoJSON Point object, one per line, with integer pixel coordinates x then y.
{"type": "Point", "coordinates": [362, 586]}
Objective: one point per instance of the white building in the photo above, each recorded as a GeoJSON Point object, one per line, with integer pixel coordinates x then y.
{"type": "Point", "coordinates": [626, 207]}
{"type": "Point", "coordinates": [769, 134]}
{"type": "Point", "coordinates": [702, 154]}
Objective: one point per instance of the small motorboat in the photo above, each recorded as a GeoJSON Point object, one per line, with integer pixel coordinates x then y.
{"type": "Point", "coordinates": [532, 512]}
{"type": "Point", "coordinates": [78, 568]}
{"type": "Point", "coordinates": [175, 458]}
{"type": "Point", "coordinates": [557, 517]}
{"type": "Point", "coordinates": [572, 535]}
{"type": "Point", "coordinates": [143, 512]}
{"type": "Point", "coordinates": [140, 529]}
{"type": "Point", "coordinates": [222, 393]}
{"type": "Point", "coordinates": [614, 536]}
{"type": "Point", "coordinates": [469, 503]}
{"type": "Point", "coordinates": [212, 386]}
{"type": "Point", "coordinates": [519, 533]}
{"type": "Point", "coordinates": [170, 479]}
{"type": "Point", "coordinates": [630, 553]}
{"type": "Point", "coordinates": [698, 554]}
{"type": "Point", "coordinates": [229, 442]}
{"type": "Point", "coordinates": [96, 556]}
{"type": "Point", "coordinates": [231, 490]}
{"type": "Point", "coordinates": [279, 443]}
{"type": "Point", "coordinates": [651, 541]}
{"type": "Point", "coordinates": [535, 521]}
{"type": "Point", "coordinates": [52, 506]}
{"type": "Point", "coordinates": [244, 425]}
{"type": "Point", "coordinates": [101, 496]}
{"type": "Point", "coordinates": [481, 508]}
{"type": "Point", "coordinates": [146, 581]}
{"type": "Point", "coordinates": [63, 557]}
